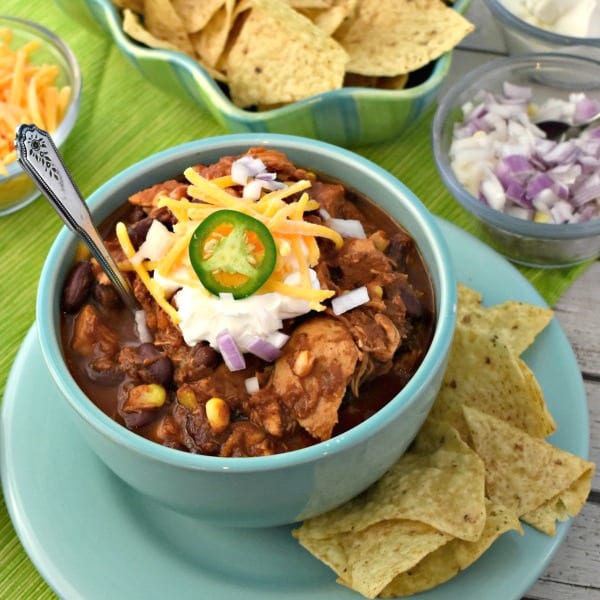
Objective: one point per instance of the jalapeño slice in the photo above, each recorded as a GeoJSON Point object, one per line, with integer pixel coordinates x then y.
{"type": "Point", "coordinates": [232, 252]}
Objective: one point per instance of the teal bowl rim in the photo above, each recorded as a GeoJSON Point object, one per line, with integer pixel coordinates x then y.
{"type": "Point", "coordinates": [433, 362]}
{"type": "Point", "coordinates": [221, 106]}
{"type": "Point", "coordinates": [492, 217]}
{"type": "Point", "coordinates": [506, 17]}
{"type": "Point", "coordinates": [68, 122]}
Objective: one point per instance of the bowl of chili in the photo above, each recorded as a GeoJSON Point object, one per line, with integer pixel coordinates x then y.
{"type": "Point", "coordinates": [223, 464]}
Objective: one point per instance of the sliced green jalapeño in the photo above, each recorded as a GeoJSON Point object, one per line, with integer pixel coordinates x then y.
{"type": "Point", "coordinates": [232, 252]}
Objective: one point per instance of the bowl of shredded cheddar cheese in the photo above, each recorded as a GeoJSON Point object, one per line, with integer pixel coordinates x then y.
{"type": "Point", "coordinates": [40, 83]}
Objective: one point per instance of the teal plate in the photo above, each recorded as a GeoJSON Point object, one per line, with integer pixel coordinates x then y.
{"type": "Point", "coordinates": [93, 537]}
{"type": "Point", "coordinates": [348, 117]}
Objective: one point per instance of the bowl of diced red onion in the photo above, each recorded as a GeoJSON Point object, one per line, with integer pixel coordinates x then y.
{"type": "Point", "coordinates": [537, 198]}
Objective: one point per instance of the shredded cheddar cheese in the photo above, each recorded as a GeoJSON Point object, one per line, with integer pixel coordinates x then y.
{"type": "Point", "coordinates": [142, 273]}
{"type": "Point", "coordinates": [28, 94]}
{"type": "Point", "coordinates": [295, 238]}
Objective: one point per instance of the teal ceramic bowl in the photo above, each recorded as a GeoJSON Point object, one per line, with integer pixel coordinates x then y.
{"type": "Point", "coordinates": [349, 117]}
{"type": "Point", "coordinates": [268, 490]}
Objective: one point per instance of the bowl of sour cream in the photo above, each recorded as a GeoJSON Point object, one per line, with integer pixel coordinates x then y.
{"type": "Point", "coordinates": [571, 26]}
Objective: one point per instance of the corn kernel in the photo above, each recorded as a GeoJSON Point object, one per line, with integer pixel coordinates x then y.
{"type": "Point", "coordinates": [217, 413]}
{"type": "Point", "coordinates": [380, 240]}
{"type": "Point", "coordinates": [81, 252]}
{"type": "Point", "coordinates": [187, 397]}
{"type": "Point", "coordinates": [303, 364]}
{"type": "Point", "coordinates": [145, 396]}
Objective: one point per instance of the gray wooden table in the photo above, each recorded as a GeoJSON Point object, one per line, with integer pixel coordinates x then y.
{"type": "Point", "coordinates": [574, 573]}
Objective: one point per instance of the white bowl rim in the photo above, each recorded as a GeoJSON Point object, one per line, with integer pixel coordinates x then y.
{"type": "Point", "coordinates": [547, 35]}
{"type": "Point", "coordinates": [432, 363]}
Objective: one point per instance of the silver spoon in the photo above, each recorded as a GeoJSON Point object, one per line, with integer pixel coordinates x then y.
{"type": "Point", "coordinates": [556, 130]}
{"type": "Point", "coordinates": [40, 159]}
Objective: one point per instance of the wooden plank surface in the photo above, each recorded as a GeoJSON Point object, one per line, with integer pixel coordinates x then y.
{"type": "Point", "coordinates": [574, 573]}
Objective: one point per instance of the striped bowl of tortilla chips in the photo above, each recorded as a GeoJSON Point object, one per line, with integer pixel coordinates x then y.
{"type": "Point", "coordinates": [348, 72]}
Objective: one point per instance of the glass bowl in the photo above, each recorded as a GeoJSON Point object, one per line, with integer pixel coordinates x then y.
{"type": "Point", "coordinates": [349, 116]}
{"type": "Point", "coordinates": [16, 188]}
{"type": "Point", "coordinates": [525, 242]}
{"type": "Point", "coordinates": [523, 37]}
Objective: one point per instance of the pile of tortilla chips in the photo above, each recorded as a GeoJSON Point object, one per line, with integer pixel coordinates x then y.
{"type": "Point", "coordinates": [272, 52]}
{"type": "Point", "coordinates": [479, 466]}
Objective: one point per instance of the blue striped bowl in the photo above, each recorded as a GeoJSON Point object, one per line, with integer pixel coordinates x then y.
{"type": "Point", "coordinates": [348, 117]}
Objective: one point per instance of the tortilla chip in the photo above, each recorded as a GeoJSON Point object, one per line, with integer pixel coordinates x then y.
{"type": "Point", "coordinates": [564, 505]}
{"type": "Point", "coordinates": [195, 15]}
{"type": "Point", "coordinates": [483, 373]}
{"type": "Point", "coordinates": [309, 3]}
{"type": "Point", "coordinates": [439, 485]}
{"type": "Point", "coordinates": [134, 5]}
{"type": "Point", "coordinates": [163, 22]}
{"type": "Point", "coordinates": [368, 560]}
{"type": "Point", "coordinates": [468, 297]}
{"type": "Point", "coordinates": [524, 473]}
{"type": "Point", "coordinates": [133, 27]}
{"type": "Point", "coordinates": [330, 18]}
{"type": "Point", "coordinates": [453, 557]}
{"type": "Point", "coordinates": [295, 60]}
{"type": "Point", "coordinates": [516, 323]}
{"type": "Point", "coordinates": [384, 83]}
{"type": "Point", "coordinates": [210, 43]}
{"type": "Point", "coordinates": [391, 37]}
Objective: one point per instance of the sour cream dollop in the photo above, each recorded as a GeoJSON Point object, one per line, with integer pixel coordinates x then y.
{"type": "Point", "coordinates": [578, 18]}
{"type": "Point", "coordinates": [261, 316]}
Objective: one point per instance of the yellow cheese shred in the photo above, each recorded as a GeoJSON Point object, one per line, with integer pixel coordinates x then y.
{"type": "Point", "coordinates": [28, 94]}
{"type": "Point", "coordinates": [155, 290]}
{"type": "Point", "coordinates": [295, 238]}
{"type": "Point", "coordinates": [285, 220]}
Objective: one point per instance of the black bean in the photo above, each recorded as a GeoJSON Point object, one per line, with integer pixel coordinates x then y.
{"type": "Point", "coordinates": [137, 213]}
{"type": "Point", "coordinates": [134, 420]}
{"type": "Point", "coordinates": [157, 368]}
{"type": "Point", "coordinates": [205, 356]}
{"type": "Point", "coordinates": [106, 295]}
{"type": "Point", "coordinates": [148, 350]}
{"type": "Point", "coordinates": [161, 371]}
{"type": "Point", "coordinates": [138, 231]}
{"type": "Point", "coordinates": [77, 287]}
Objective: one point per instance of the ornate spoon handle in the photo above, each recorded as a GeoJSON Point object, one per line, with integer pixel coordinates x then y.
{"type": "Point", "coordinates": [40, 159]}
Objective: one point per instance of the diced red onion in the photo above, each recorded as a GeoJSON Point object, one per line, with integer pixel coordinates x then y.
{"type": "Point", "coordinates": [142, 327]}
{"type": "Point", "coordinates": [351, 228]}
{"type": "Point", "coordinates": [518, 92]}
{"type": "Point", "coordinates": [278, 339]}
{"type": "Point", "coordinates": [263, 349]}
{"type": "Point", "coordinates": [349, 300]}
{"type": "Point", "coordinates": [228, 348]}
{"type": "Point", "coordinates": [240, 173]}
{"type": "Point", "coordinates": [506, 161]}
{"type": "Point", "coordinates": [324, 214]}
{"type": "Point", "coordinates": [251, 385]}
{"type": "Point", "coordinates": [586, 109]}
{"type": "Point", "coordinates": [253, 175]}
{"type": "Point", "coordinates": [252, 190]}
